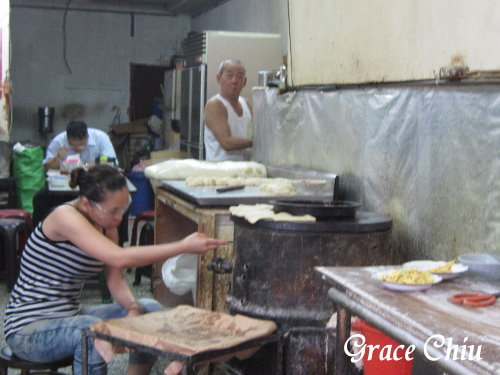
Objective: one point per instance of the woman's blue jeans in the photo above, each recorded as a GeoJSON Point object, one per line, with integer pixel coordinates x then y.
{"type": "Point", "coordinates": [55, 339]}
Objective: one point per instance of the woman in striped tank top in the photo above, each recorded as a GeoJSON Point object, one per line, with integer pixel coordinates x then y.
{"type": "Point", "coordinates": [78, 239]}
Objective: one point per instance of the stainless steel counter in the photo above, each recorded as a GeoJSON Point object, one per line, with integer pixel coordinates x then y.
{"type": "Point", "coordinates": [208, 196]}
{"type": "Point", "coordinates": [413, 318]}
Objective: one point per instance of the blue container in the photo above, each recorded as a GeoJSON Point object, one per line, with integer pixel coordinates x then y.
{"type": "Point", "coordinates": [144, 198]}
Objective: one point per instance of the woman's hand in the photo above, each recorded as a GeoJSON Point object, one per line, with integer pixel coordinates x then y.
{"type": "Point", "coordinates": [133, 309]}
{"type": "Point", "coordinates": [199, 243]}
{"type": "Point", "coordinates": [134, 312]}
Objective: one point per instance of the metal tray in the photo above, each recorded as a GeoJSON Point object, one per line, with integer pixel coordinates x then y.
{"type": "Point", "coordinates": [208, 195]}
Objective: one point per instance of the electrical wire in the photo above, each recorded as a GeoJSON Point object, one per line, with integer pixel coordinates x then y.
{"type": "Point", "coordinates": [65, 39]}
{"type": "Point", "coordinates": [116, 119]}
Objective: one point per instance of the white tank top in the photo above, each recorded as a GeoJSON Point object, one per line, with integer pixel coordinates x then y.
{"type": "Point", "coordinates": [238, 125]}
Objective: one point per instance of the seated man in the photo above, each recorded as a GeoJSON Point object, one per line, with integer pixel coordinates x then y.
{"type": "Point", "coordinates": [78, 139]}
{"type": "Point", "coordinates": [90, 144]}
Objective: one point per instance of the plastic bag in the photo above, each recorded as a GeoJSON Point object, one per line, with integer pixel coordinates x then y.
{"type": "Point", "coordinates": [179, 273]}
{"type": "Point", "coordinates": [29, 175]}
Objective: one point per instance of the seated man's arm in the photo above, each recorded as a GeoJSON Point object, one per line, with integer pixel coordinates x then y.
{"type": "Point", "coordinates": [55, 153]}
{"type": "Point", "coordinates": [216, 120]}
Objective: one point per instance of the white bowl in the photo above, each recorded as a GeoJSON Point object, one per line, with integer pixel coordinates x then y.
{"type": "Point", "coordinates": [484, 265]}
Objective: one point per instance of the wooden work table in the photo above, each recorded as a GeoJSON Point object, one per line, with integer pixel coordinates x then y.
{"type": "Point", "coordinates": [413, 317]}
{"type": "Point", "coordinates": [174, 219]}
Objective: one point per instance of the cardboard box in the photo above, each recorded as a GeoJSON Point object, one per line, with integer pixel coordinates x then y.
{"type": "Point", "coordinates": [137, 126]}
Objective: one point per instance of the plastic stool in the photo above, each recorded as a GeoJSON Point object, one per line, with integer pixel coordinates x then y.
{"type": "Point", "coordinates": [15, 213]}
{"type": "Point", "coordinates": [11, 230]}
{"type": "Point", "coordinates": [146, 216]}
{"type": "Point", "coordinates": [8, 185]}
{"type": "Point", "coordinates": [10, 361]}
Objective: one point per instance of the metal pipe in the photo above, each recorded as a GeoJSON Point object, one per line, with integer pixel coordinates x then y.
{"type": "Point", "coordinates": [85, 359]}
{"type": "Point", "coordinates": [405, 84]}
{"type": "Point", "coordinates": [89, 10]}
{"type": "Point", "coordinates": [398, 334]}
{"type": "Point", "coordinates": [343, 330]}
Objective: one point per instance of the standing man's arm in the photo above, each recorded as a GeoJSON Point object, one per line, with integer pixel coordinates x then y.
{"type": "Point", "coordinates": [216, 120]}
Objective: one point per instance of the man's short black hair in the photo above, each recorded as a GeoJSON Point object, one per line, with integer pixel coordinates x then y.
{"type": "Point", "coordinates": [77, 130]}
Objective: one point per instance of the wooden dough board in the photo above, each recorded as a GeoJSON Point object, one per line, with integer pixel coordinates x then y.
{"type": "Point", "coordinates": [187, 330]}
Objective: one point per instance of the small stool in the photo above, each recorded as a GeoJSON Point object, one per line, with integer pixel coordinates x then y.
{"type": "Point", "coordinates": [10, 361]}
{"type": "Point", "coordinates": [143, 216]}
{"type": "Point", "coordinates": [146, 239]}
{"type": "Point", "coordinates": [13, 213]}
{"type": "Point", "coordinates": [17, 213]}
{"type": "Point", "coordinates": [8, 185]}
{"type": "Point", "coordinates": [11, 230]}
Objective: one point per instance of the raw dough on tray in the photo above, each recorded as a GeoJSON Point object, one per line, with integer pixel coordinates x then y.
{"type": "Point", "coordinates": [273, 186]}
{"type": "Point", "coordinates": [179, 169]}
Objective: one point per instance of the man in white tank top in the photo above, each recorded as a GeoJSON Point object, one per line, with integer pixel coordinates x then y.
{"type": "Point", "coordinates": [228, 116]}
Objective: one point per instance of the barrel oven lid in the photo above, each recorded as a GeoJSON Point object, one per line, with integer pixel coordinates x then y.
{"type": "Point", "coordinates": [363, 222]}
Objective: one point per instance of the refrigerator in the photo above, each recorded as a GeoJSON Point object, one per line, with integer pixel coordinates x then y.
{"type": "Point", "coordinates": [171, 97]}
{"type": "Point", "coordinates": [202, 53]}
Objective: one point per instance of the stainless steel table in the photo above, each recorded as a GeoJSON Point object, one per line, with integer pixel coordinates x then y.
{"type": "Point", "coordinates": [414, 318]}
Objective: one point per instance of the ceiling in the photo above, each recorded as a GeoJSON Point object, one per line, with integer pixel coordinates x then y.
{"type": "Point", "coordinates": [191, 8]}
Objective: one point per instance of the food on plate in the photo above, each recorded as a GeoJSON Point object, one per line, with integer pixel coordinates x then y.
{"type": "Point", "coordinates": [408, 276]}
{"type": "Point", "coordinates": [445, 268]}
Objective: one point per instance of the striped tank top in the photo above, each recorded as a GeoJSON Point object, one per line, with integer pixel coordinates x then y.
{"type": "Point", "coordinates": [50, 281]}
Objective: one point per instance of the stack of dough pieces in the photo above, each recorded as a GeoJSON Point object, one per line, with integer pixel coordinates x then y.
{"type": "Point", "coordinates": [254, 213]}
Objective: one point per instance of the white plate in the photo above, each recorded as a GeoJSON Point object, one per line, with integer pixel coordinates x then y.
{"type": "Point", "coordinates": [426, 265]}
{"type": "Point", "coordinates": [404, 287]}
